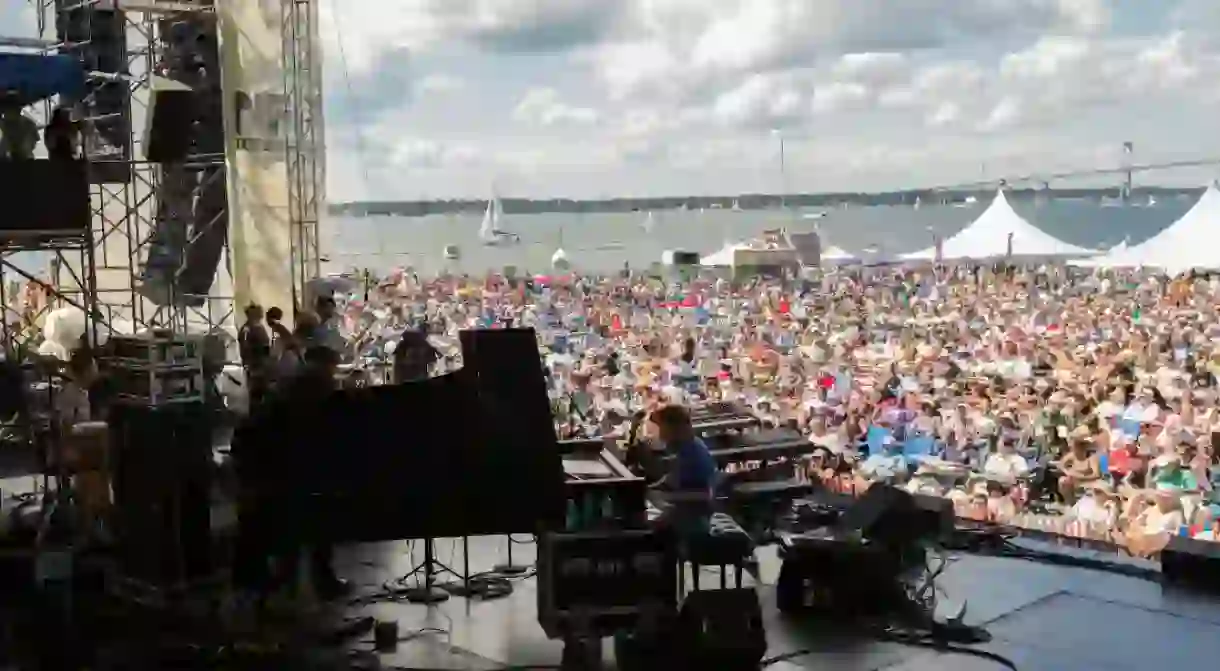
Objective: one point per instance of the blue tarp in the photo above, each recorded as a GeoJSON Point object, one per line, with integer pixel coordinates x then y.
{"type": "Point", "coordinates": [33, 77]}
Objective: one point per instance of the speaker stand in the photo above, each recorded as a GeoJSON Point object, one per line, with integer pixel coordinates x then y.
{"type": "Point", "coordinates": [508, 567]}
{"type": "Point", "coordinates": [430, 567]}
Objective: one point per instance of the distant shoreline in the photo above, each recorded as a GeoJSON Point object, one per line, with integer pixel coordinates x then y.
{"type": "Point", "coordinates": [753, 202]}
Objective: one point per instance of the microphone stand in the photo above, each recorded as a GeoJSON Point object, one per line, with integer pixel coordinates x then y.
{"type": "Point", "coordinates": [508, 567]}
{"type": "Point", "coordinates": [430, 567]}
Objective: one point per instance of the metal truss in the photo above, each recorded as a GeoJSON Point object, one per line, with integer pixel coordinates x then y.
{"type": "Point", "coordinates": [306, 157]}
{"type": "Point", "coordinates": [106, 276]}
{"type": "Point", "coordinates": [101, 274]}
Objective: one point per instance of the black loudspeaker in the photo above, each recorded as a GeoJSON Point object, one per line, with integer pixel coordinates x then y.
{"type": "Point", "coordinates": [171, 114]}
{"type": "Point", "coordinates": [721, 629]}
{"type": "Point", "coordinates": [46, 201]}
{"type": "Point", "coordinates": [686, 258]}
{"type": "Point", "coordinates": [162, 464]}
{"type": "Point", "coordinates": [1191, 563]}
{"type": "Point", "coordinates": [894, 517]}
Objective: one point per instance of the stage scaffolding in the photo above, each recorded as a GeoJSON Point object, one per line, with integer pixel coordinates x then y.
{"type": "Point", "coordinates": [306, 144]}
{"type": "Point", "coordinates": [103, 274]}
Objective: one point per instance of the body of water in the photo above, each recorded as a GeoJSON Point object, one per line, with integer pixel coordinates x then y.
{"type": "Point", "coordinates": [604, 242]}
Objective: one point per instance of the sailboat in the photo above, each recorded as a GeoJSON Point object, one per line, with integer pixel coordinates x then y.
{"type": "Point", "coordinates": [736, 205]}
{"type": "Point", "coordinates": [490, 231]}
{"type": "Point", "coordinates": [648, 224]}
{"type": "Point", "coordinates": [559, 260]}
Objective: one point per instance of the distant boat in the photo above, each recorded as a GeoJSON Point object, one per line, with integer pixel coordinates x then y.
{"type": "Point", "coordinates": [452, 253]}
{"type": "Point", "coordinates": [649, 224]}
{"type": "Point", "coordinates": [736, 205]}
{"type": "Point", "coordinates": [491, 232]}
{"type": "Point", "coordinates": [814, 215]}
{"type": "Point", "coordinates": [918, 202]}
{"type": "Point", "coordinates": [559, 260]}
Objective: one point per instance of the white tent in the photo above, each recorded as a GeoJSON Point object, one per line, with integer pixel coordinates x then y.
{"type": "Point", "coordinates": [833, 255]}
{"type": "Point", "coordinates": [725, 257]}
{"type": "Point", "coordinates": [1193, 241]}
{"type": "Point", "coordinates": [999, 231]}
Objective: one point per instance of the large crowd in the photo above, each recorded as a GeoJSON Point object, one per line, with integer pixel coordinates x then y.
{"type": "Point", "coordinates": [1078, 402]}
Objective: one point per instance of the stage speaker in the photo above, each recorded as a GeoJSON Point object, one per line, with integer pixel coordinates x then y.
{"type": "Point", "coordinates": [721, 629]}
{"type": "Point", "coordinates": [685, 258]}
{"type": "Point", "coordinates": [171, 114]}
{"type": "Point", "coordinates": [894, 517]}
{"type": "Point", "coordinates": [162, 463]}
{"type": "Point", "coordinates": [1191, 563]}
{"type": "Point", "coordinates": [46, 201]}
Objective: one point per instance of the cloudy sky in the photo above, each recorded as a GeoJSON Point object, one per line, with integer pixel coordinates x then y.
{"type": "Point", "coordinates": [588, 98]}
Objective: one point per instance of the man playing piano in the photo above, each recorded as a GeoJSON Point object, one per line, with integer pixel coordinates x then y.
{"type": "Point", "coordinates": [685, 495]}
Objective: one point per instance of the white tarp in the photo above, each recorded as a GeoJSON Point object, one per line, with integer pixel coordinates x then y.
{"type": "Point", "coordinates": [998, 232]}
{"type": "Point", "coordinates": [1193, 241]}
{"type": "Point", "coordinates": [260, 237]}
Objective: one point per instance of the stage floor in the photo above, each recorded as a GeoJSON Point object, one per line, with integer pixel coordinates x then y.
{"type": "Point", "coordinates": [1042, 617]}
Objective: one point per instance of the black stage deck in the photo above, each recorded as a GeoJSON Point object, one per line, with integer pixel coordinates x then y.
{"type": "Point", "coordinates": [1042, 617]}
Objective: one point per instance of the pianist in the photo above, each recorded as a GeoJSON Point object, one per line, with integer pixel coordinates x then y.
{"type": "Point", "coordinates": [685, 495]}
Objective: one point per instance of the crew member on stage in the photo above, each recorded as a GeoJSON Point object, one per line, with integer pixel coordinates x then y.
{"type": "Point", "coordinates": [254, 347]}
{"type": "Point", "coordinates": [413, 356]}
{"type": "Point", "coordinates": [686, 493]}
{"type": "Point", "coordinates": [327, 333]}
{"type": "Point", "coordinates": [309, 385]}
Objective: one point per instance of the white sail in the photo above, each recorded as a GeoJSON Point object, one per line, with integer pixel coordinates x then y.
{"type": "Point", "coordinates": [497, 223]}
{"type": "Point", "coordinates": [559, 260]}
{"type": "Point", "coordinates": [736, 205]}
{"type": "Point", "coordinates": [492, 231]}
{"type": "Point", "coordinates": [487, 230]}
{"type": "Point", "coordinates": [649, 224]}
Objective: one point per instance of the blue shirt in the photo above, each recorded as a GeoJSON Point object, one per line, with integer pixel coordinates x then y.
{"type": "Point", "coordinates": [695, 469]}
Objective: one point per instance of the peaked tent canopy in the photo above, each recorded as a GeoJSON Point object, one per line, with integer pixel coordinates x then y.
{"type": "Point", "coordinates": [725, 257]}
{"type": "Point", "coordinates": [1193, 241]}
{"type": "Point", "coordinates": [28, 78]}
{"type": "Point", "coordinates": [839, 256]}
{"type": "Point", "coordinates": [992, 234]}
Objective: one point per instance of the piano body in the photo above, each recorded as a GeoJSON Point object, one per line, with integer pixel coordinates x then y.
{"type": "Point", "coordinates": [439, 457]}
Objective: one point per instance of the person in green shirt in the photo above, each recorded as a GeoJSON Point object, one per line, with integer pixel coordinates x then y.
{"type": "Point", "coordinates": [1169, 476]}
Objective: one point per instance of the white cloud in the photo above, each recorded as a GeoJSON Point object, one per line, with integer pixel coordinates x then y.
{"type": "Point", "coordinates": [543, 107]}
{"type": "Point", "coordinates": [438, 84]}
{"type": "Point", "coordinates": [424, 154]}
{"type": "Point", "coordinates": [676, 95]}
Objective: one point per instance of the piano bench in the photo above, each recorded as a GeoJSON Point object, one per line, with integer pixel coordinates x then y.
{"type": "Point", "coordinates": [725, 544]}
